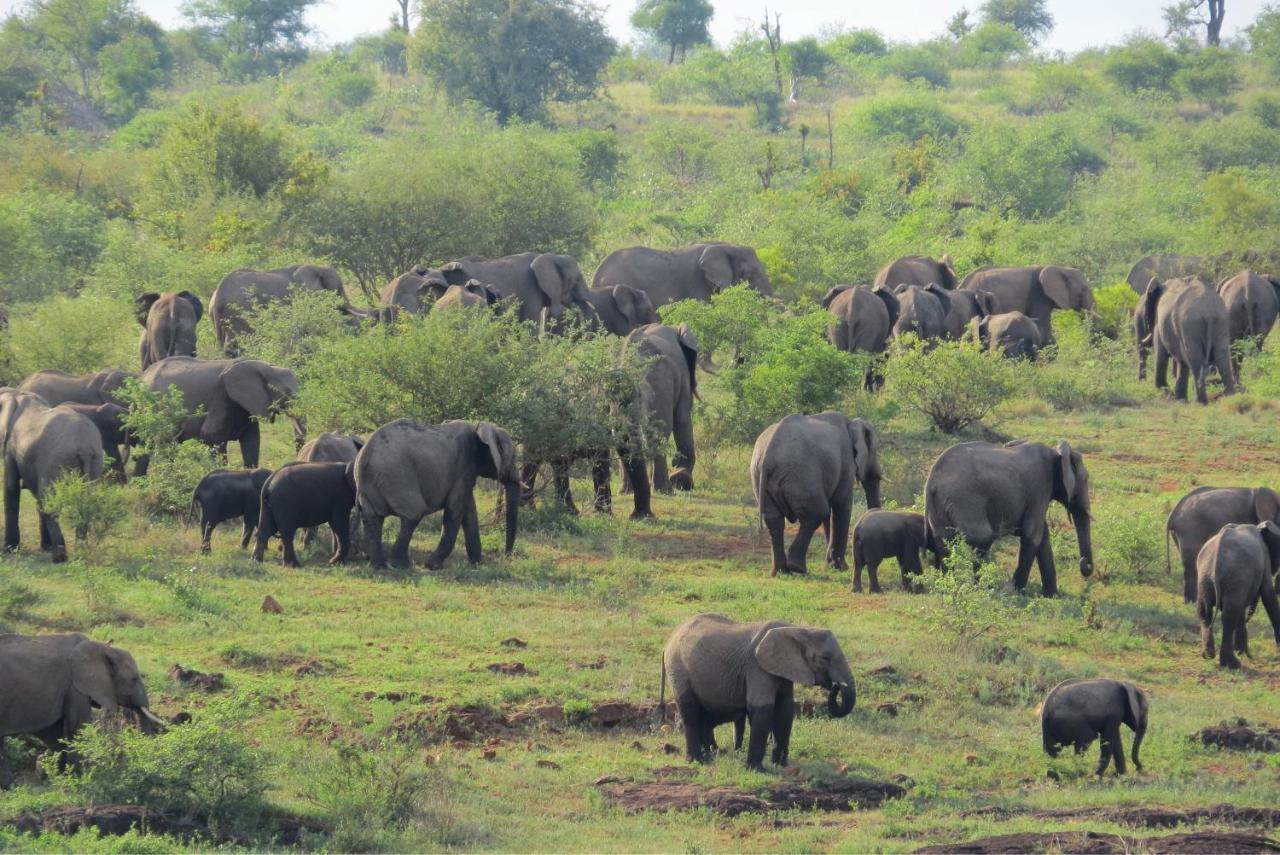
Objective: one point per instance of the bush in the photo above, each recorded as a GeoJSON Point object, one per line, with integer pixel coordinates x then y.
{"type": "Point", "coordinates": [918, 62]}
{"type": "Point", "coordinates": [904, 117]}
{"type": "Point", "coordinates": [991, 45]}
{"type": "Point", "coordinates": [1209, 76]}
{"type": "Point", "coordinates": [92, 508]}
{"type": "Point", "coordinates": [1081, 371]}
{"type": "Point", "coordinates": [289, 332]}
{"type": "Point", "coordinates": [172, 476]}
{"type": "Point", "coordinates": [857, 43]}
{"type": "Point", "coordinates": [953, 385]}
{"type": "Point", "coordinates": [1115, 304]}
{"type": "Point", "coordinates": [74, 334]}
{"type": "Point", "coordinates": [48, 242]}
{"type": "Point", "coordinates": [1143, 63]}
{"type": "Point", "coordinates": [966, 606]}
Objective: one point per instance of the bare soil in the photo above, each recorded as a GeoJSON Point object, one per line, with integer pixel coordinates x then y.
{"type": "Point", "coordinates": [667, 795]}
{"type": "Point", "coordinates": [1095, 843]}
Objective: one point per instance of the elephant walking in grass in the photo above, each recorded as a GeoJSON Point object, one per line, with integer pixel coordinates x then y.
{"type": "Point", "coordinates": [670, 385]}
{"type": "Point", "coordinates": [1012, 334]}
{"type": "Point", "coordinates": [966, 307]}
{"type": "Point", "coordinates": [1236, 569]}
{"type": "Point", "coordinates": [1076, 712]}
{"type": "Point", "coordinates": [922, 311]}
{"type": "Point", "coordinates": [919, 270]}
{"type": "Point", "coordinates": [1188, 324]}
{"type": "Point", "coordinates": [722, 670]}
{"type": "Point", "coordinates": [41, 444]}
{"type": "Point", "coordinates": [1036, 291]}
{"type": "Point", "coordinates": [227, 494]}
{"type": "Point", "coordinates": [887, 534]}
{"type": "Point", "coordinates": [983, 492]}
{"type": "Point", "coordinates": [302, 495]}
{"type": "Point", "coordinates": [620, 309]}
{"type": "Point", "coordinates": [409, 470]}
{"type": "Point", "coordinates": [1201, 513]}
{"type": "Point", "coordinates": [803, 469]}
{"type": "Point", "coordinates": [168, 325]}
{"type": "Point", "coordinates": [1253, 302]}
{"type": "Point", "coordinates": [534, 281]}
{"type": "Point", "coordinates": [414, 291]}
{"type": "Point", "coordinates": [690, 273]}
{"type": "Point", "coordinates": [59, 387]}
{"type": "Point", "coordinates": [863, 321]}
{"type": "Point", "coordinates": [242, 291]}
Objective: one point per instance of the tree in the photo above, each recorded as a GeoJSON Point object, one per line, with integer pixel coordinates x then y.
{"type": "Point", "coordinates": [680, 24]}
{"type": "Point", "coordinates": [255, 33]}
{"type": "Point", "coordinates": [1183, 16]}
{"type": "Point", "coordinates": [401, 18]}
{"type": "Point", "coordinates": [959, 25]}
{"type": "Point", "coordinates": [805, 59]}
{"type": "Point", "coordinates": [513, 56]}
{"type": "Point", "coordinates": [1029, 17]}
{"type": "Point", "coordinates": [1264, 39]}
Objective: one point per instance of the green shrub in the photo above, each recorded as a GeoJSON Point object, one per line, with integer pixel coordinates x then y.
{"type": "Point", "coordinates": [1143, 63]}
{"type": "Point", "coordinates": [1265, 107]}
{"type": "Point", "coordinates": [154, 418]}
{"type": "Point", "coordinates": [858, 43]}
{"type": "Point", "coordinates": [1115, 304]}
{"type": "Point", "coordinates": [172, 475]}
{"type": "Point", "coordinates": [289, 332]}
{"type": "Point", "coordinates": [991, 45]}
{"type": "Point", "coordinates": [93, 509]}
{"type": "Point", "coordinates": [918, 62]}
{"type": "Point", "coordinates": [1081, 371]}
{"type": "Point", "coordinates": [344, 83]}
{"type": "Point", "coordinates": [953, 385]}
{"type": "Point", "coordinates": [48, 242]}
{"type": "Point", "coordinates": [74, 334]}
{"type": "Point", "coordinates": [15, 599]}
{"type": "Point", "coordinates": [904, 117]}
{"type": "Point", "coordinates": [966, 606]}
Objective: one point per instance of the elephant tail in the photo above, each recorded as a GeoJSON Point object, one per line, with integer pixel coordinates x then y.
{"type": "Point", "coordinates": [1168, 535]}
{"type": "Point", "coordinates": [90, 465]}
{"type": "Point", "coordinates": [662, 693]}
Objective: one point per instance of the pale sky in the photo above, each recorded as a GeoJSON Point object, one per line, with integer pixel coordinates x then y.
{"type": "Point", "coordinates": [1080, 23]}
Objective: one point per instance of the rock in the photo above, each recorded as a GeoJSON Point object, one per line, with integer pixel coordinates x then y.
{"type": "Point", "coordinates": [637, 745]}
{"type": "Point", "coordinates": [180, 718]}
{"type": "Point", "coordinates": [271, 605]}
{"type": "Point", "coordinates": [668, 748]}
{"type": "Point", "coordinates": [511, 669]}
{"type": "Point", "coordinates": [610, 779]}
{"type": "Point", "coordinates": [971, 758]}
{"type": "Point", "coordinates": [514, 642]}
{"type": "Point", "coordinates": [884, 671]}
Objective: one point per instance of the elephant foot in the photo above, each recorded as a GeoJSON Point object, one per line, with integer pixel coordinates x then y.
{"type": "Point", "coordinates": [757, 766]}
{"type": "Point", "coordinates": [59, 555]}
{"type": "Point", "coordinates": [664, 489]}
{"type": "Point", "coordinates": [839, 564]}
{"type": "Point", "coordinates": [205, 550]}
{"type": "Point", "coordinates": [433, 563]}
{"type": "Point", "coordinates": [682, 480]}
{"type": "Point", "coordinates": [642, 515]}
{"type": "Point", "coordinates": [1230, 662]}
{"type": "Point", "coordinates": [798, 569]}
{"type": "Point", "coordinates": [856, 588]}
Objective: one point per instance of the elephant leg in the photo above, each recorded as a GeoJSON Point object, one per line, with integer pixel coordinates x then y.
{"type": "Point", "coordinates": [471, 531]}
{"type": "Point", "coordinates": [448, 537]}
{"type": "Point", "coordinates": [206, 534]}
{"type": "Point", "coordinates": [661, 478]}
{"type": "Point", "coordinates": [761, 727]}
{"type": "Point", "coordinates": [1162, 364]}
{"type": "Point", "coordinates": [1110, 748]}
{"type": "Point", "coordinates": [1242, 637]}
{"type": "Point", "coordinates": [691, 716]}
{"type": "Point", "coordinates": [1272, 606]}
{"type": "Point", "coordinates": [1204, 609]}
{"type": "Point", "coordinates": [528, 483]}
{"type": "Point", "coordinates": [1228, 365]}
{"type": "Point", "coordinates": [709, 744]}
{"type": "Point", "coordinates": [797, 555]}
{"type": "Point", "coordinates": [1201, 377]}
{"type": "Point", "coordinates": [600, 476]}
{"type": "Point", "coordinates": [308, 536]}
{"type": "Point", "coordinates": [340, 525]}
{"type": "Point", "coordinates": [838, 543]}
{"type": "Point", "coordinates": [774, 523]}
{"type": "Point", "coordinates": [1189, 572]}
{"type": "Point", "coordinates": [264, 537]}
{"type": "Point", "coordinates": [640, 485]}
{"type": "Point", "coordinates": [873, 574]}
{"type": "Point", "coordinates": [289, 557]}
{"type": "Point", "coordinates": [564, 494]}
{"type": "Point", "coordinates": [373, 533]}
{"type": "Point", "coordinates": [46, 541]}
{"type": "Point", "coordinates": [682, 461]}
{"type": "Point", "coordinates": [858, 564]}
{"type": "Point", "coordinates": [1028, 549]}
{"type": "Point", "coordinates": [400, 549]}
{"type": "Point", "coordinates": [784, 713]}
{"type": "Point", "coordinates": [1226, 650]}
{"type": "Point", "coordinates": [12, 502]}
{"type": "Point", "coordinates": [250, 443]}
{"type": "Point", "coordinates": [246, 534]}
{"type": "Point", "coordinates": [1048, 571]}
{"type": "Point", "coordinates": [57, 546]}
{"type": "Point", "coordinates": [739, 728]}
{"type": "Point", "coordinates": [1181, 379]}
{"type": "Point", "coordinates": [910, 568]}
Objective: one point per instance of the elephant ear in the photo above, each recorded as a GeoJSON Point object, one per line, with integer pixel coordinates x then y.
{"type": "Point", "coordinates": [1137, 705]}
{"type": "Point", "coordinates": [1068, 470]}
{"type": "Point", "coordinates": [1150, 300]}
{"type": "Point", "coordinates": [550, 279]}
{"type": "Point", "coordinates": [983, 326]}
{"type": "Point", "coordinates": [1266, 504]}
{"type": "Point", "coordinates": [864, 442]}
{"type": "Point", "coordinates": [142, 306]}
{"type": "Point", "coordinates": [491, 294]}
{"type": "Point", "coordinates": [454, 273]}
{"type": "Point", "coordinates": [829, 297]}
{"type": "Point", "coordinates": [195, 303]}
{"type": "Point", "coordinates": [781, 653]}
{"type": "Point", "coordinates": [1275, 283]}
{"type": "Point", "coordinates": [493, 438]}
{"type": "Point", "coordinates": [985, 303]}
{"type": "Point", "coordinates": [943, 295]}
{"type": "Point", "coordinates": [890, 300]}
{"type": "Point", "coordinates": [93, 674]}
{"type": "Point", "coordinates": [246, 384]}
{"type": "Point", "coordinates": [948, 270]}
{"type": "Point", "coordinates": [689, 344]}
{"type": "Point", "coordinates": [628, 302]}
{"type": "Point", "coordinates": [716, 266]}
{"type": "Point", "coordinates": [1053, 281]}
{"type": "Point", "coordinates": [357, 442]}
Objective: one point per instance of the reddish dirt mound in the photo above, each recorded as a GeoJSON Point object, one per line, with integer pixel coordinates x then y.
{"type": "Point", "coordinates": [511, 669]}
{"type": "Point", "coordinates": [667, 795]}
{"type": "Point", "coordinates": [191, 679]}
{"type": "Point", "coordinates": [1093, 843]}
{"type": "Point", "coordinates": [1240, 736]}
{"type": "Point", "coordinates": [1160, 817]}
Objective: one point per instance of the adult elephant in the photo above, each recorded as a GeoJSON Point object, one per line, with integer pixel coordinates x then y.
{"type": "Point", "coordinates": [864, 317]}
{"type": "Point", "coordinates": [1188, 324]}
{"type": "Point", "coordinates": [1012, 334]}
{"type": "Point", "coordinates": [331, 447]}
{"type": "Point", "coordinates": [1165, 265]}
{"type": "Point", "coordinates": [670, 384]}
{"type": "Point", "coordinates": [415, 290]}
{"type": "Point", "coordinates": [534, 280]}
{"type": "Point", "coordinates": [59, 387]}
{"type": "Point", "coordinates": [621, 308]}
{"type": "Point", "coordinates": [689, 273]}
{"type": "Point", "coordinates": [1252, 301]}
{"type": "Point", "coordinates": [409, 470]}
{"type": "Point", "coordinates": [232, 395]}
{"type": "Point", "coordinates": [922, 311]}
{"type": "Point", "coordinates": [40, 444]}
{"type": "Point", "coordinates": [53, 682]}
{"type": "Point", "coordinates": [168, 325]}
{"type": "Point", "coordinates": [1202, 512]}
{"type": "Point", "coordinates": [473, 293]}
{"type": "Point", "coordinates": [918, 270]}
{"type": "Point", "coordinates": [1036, 291]}
{"type": "Point", "coordinates": [983, 492]}
{"type": "Point", "coordinates": [242, 291]}
{"type": "Point", "coordinates": [966, 307]}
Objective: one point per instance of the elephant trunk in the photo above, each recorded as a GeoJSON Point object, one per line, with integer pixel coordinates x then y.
{"type": "Point", "coordinates": [512, 499]}
{"type": "Point", "coordinates": [760, 282]}
{"type": "Point", "coordinates": [871, 485]}
{"type": "Point", "coordinates": [840, 700]}
{"type": "Point", "coordinates": [299, 432]}
{"type": "Point", "coordinates": [1081, 520]}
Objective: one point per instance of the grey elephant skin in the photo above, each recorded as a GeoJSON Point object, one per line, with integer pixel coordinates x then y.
{"type": "Point", "coordinates": [301, 495]}
{"type": "Point", "coordinates": [1036, 291]}
{"type": "Point", "coordinates": [40, 445]}
{"type": "Point", "coordinates": [234, 393]}
{"type": "Point", "coordinates": [59, 387]}
{"type": "Point", "coordinates": [670, 384]}
{"type": "Point", "coordinates": [228, 494]}
{"type": "Point", "coordinates": [803, 469]}
{"type": "Point", "coordinates": [1011, 334]}
{"type": "Point", "coordinates": [473, 293]}
{"type": "Point", "coordinates": [1253, 301]}
{"type": "Point", "coordinates": [690, 273]}
{"type": "Point", "coordinates": [620, 309]}
{"type": "Point", "coordinates": [864, 317]}
{"type": "Point", "coordinates": [408, 470]}
{"type": "Point", "coordinates": [241, 291]}
{"type": "Point", "coordinates": [966, 307]}
{"type": "Point", "coordinates": [116, 438]}
{"type": "Point", "coordinates": [882, 534]}
{"type": "Point", "coordinates": [1236, 568]}
{"type": "Point", "coordinates": [1202, 512]}
{"type": "Point", "coordinates": [1167, 265]}
{"type": "Point", "coordinates": [534, 281]}
{"type": "Point", "coordinates": [53, 682]}
{"type": "Point", "coordinates": [982, 492]}
{"type": "Point", "coordinates": [1189, 326]}
{"type": "Point", "coordinates": [721, 670]}
{"type": "Point", "coordinates": [1076, 712]}
{"type": "Point", "coordinates": [168, 325]}
{"type": "Point", "coordinates": [1142, 338]}
{"type": "Point", "coordinates": [918, 270]}
{"type": "Point", "coordinates": [415, 290]}
{"type": "Point", "coordinates": [922, 311]}
{"type": "Point", "coordinates": [331, 447]}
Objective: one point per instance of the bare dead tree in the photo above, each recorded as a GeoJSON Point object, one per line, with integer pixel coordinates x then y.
{"type": "Point", "coordinates": [401, 18]}
{"type": "Point", "coordinates": [773, 35]}
{"type": "Point", "coordinates": [1213, 27]}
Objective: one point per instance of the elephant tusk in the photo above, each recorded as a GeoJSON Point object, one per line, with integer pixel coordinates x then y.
{"type": "Point", "coordinates": [153, 718]}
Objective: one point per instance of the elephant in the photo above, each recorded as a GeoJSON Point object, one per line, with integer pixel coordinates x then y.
{"type": "Point", "coordinates": [1012, 334]}
{"type": "Point", "coordinates": [241, 291]}
{"type": "Point", "coordinates": [1200, 514]}
{"type": "Point", "coordinates": [302, 495]}
{"type": "Point", "coordinates": [721, 670]}
{"type": "Point", "coordinates": [690, 273]}
{"type": "Point", "coordinates": [41, 444]}
{"type": "Point", "coordinates": [54, 682]}
{"type": "Point", "coordinates": [333, 448]}
{"type": "Point", "coordinates": [922, 311]}
{"type": "Point", "coordinates": [620, 309]}
{"type": "Point", "coordinates": [671, 384]}
{"type": "Point", "coordinates": [1235, 569]}
{"type": "Point", "coordinates": [415, 290]}
{"type": "Point", "coordinates": [1212, 267]}
{"type": "Point", "coordinates": [803, 468]}
{"type": "Point", "coordinates": [534, 281]}
{"type": "Point", "coordinates": [966, 307]}
{"type": "Point", "coordinates": [918, 270]}
{"type": "Point", "coordinates": [1189, 325]}
{"type": "Point", "coordinates": [233, 392]}
{"type": "Point", "coordinates": [864, 319]}
{"type": "Point", "coordinates": [883, 534]}
{"type": "Point", "coordinates": [1076, 712]}
{"type": "Point", "coordinates": [228, 494]}
{"type": "Point", "coordinates": [983, 492]}
{"type": "Point", "coordinates": [168, 325]}
{"type": "Point", "coordinates": [1035, 291]}
{"type": "Point", "coordinates": [408, 469]}
{"type": "Point", "coordinates": [1142, 337]}
{"type": "Point", "coordinates": [1252, 301]}
{"type": "Point", "coordinates": [473, 293]}
{"type": "Point", "coordinates": [59, 387]}
{"type": "Point", "coordinates": [116, 438]}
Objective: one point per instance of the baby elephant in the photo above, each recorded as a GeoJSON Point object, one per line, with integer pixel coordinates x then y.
{"type": "Point", "coordinates": [226, 494]}
{"type": "Point", "coordinates": [299, 495]}
{"type": "Point", "coordinates": [1236, 569]}
{"type": "Point", "coordinates": [884, 534]}
{"type": "Point", "coordinates": [1076, 712]}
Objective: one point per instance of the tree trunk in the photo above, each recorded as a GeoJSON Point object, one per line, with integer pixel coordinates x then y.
{"type": "Point", "coordinates": [1213, 27]}
{"type": "Point", "coordinates": [671, 57]}
{"type": "Point", "coordinates": [404, 14]}
{"type": "Point", "coordinates": [774, 38]}
{"type": "Point", "coordinates": [831, 141]}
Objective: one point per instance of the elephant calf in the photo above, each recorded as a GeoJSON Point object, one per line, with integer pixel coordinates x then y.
{"type": "Point", "coordinates": [722, 670]}
{"type": "Point", "coordinates": [298, 495]}
{"type": "Point", "coordinates": [883, 534]}
{"type": "Point", "coordinates": [1237, 568]}
{"type": "Point", "coordinates": [227, 494]}
{"type": "Point", "coordinates": [1011, 334]}
{"type": "Point", "coordinates": [1076, 712]}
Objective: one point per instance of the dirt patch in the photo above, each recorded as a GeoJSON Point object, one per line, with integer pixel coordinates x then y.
{"type": "Point", "coordinates": [668, 795]}
{"type": "Point", "coordinates": [311, 668]}
{"type": "Point", "coordinates": [1091, 842]}
{"type": "Point", "coordinates": [1161, 817]}
{"type": "Point", "coordinates": [189, 678]}
{"type": "Point", "coordinates": [511, 669]}
{"type": "Point", "coordinates": [1239, 735]}
{"type": "Point", "coordinates": [477, 724]}
{"type": "Point", "coordinates": [115, 820]}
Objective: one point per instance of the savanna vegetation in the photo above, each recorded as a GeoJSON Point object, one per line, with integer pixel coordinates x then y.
{"type": "Point", "coordinates": [493, 706]}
